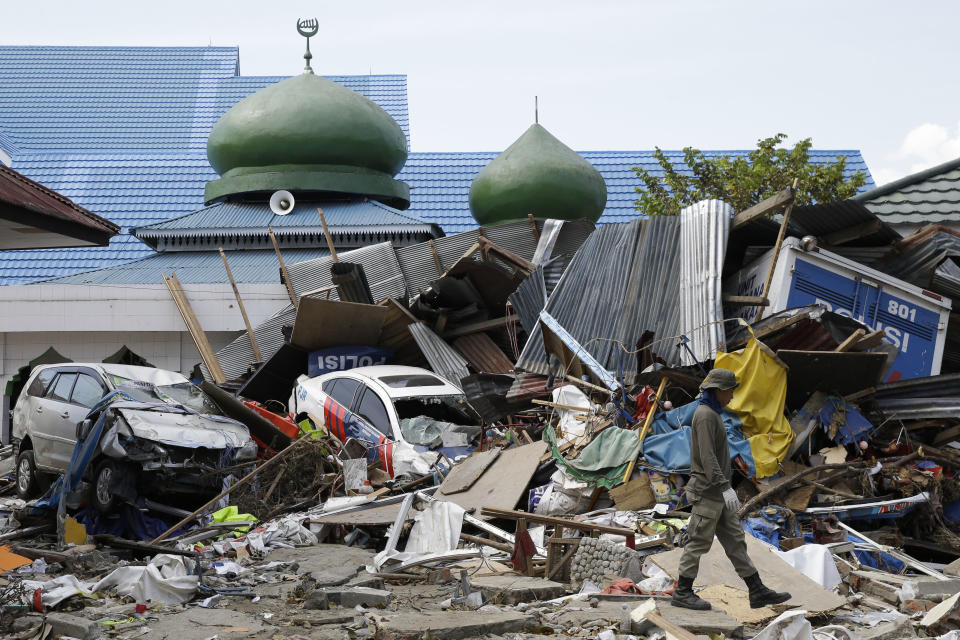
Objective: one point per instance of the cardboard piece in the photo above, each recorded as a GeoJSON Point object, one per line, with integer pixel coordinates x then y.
{"type": "Point", "coordinates": [634, 495]}
{"type": "Point", "coordinates": [716, 569]}
{"type": "Point", "coordinates": [10, 560]}
{"type": "Point", "coordinates": [331, 323]}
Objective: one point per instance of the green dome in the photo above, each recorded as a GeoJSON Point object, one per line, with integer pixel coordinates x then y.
{"type": "Point", "coordinates": [537, 174]}
{"type": "Point", "coordinates": [307, 133]}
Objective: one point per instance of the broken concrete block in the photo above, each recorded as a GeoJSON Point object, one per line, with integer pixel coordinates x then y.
{"type": "Point", "coordinates": [514, 589]}
{"type": "Point", "coordinates": [450, 625]}
{"type": "Point", "coordinates": [896, 630]}
{"type": "Point", "coordinates": [952, 569]}
{"type": "Point", "coordinates": [316, 600]}
{"type": "Point", "coordinates": [65, 624]}
{"type": "Point", "coordinates": [930, 587]}
{"type": "Point", "coordinates": [363, 596]}
{"type": "Point", "coordinates": [911, 607]}
{"type": "Point", "coordinates": [712, 621]}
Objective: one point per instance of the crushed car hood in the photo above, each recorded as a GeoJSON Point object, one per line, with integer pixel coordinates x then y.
{"type": "Point", "coordinates": [185, 429]}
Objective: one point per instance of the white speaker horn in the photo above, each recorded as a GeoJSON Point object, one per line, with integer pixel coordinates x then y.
{"type": "Point", "coordinates": [281, 202]}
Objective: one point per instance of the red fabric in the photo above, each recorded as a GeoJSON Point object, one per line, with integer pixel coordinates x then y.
{"type": "Point", "coordinates": [623, 586]}
{"type": "Point", "coordinates": [523, 548]}
{"type": "Point", "coordinates": [644, 402]}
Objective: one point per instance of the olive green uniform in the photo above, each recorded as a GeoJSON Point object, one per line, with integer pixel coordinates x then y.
{"type": "Point", "coordinates": [709, 478]}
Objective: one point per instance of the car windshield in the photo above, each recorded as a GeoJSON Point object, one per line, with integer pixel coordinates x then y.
{"type": "Point", "coordinates": [437, 420]}
{"type": "Point", "coordinates": [407, 381]}
{"type": "Point", "coordinates": [184, 393]}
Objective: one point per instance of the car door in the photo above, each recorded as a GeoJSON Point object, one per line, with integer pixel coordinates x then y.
{"type": "Point", "coordinates": [339, 395]}
{"type": "Point", "coordinates": [373, 427]}
{"type": "Point", "coordinates": [50, 439]}
{"type": "Point", "coordinates": [66, 403]}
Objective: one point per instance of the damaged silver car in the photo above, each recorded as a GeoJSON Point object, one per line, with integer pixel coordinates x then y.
{"type": "Point", "coordinates": [154, 435]}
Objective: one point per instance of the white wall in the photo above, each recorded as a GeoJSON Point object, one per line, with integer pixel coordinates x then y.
{"type": "Point", "coordinates": [173, 350]}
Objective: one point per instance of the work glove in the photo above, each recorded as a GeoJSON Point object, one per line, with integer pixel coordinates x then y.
{"type": "Point", "coordinates": [731, 500]}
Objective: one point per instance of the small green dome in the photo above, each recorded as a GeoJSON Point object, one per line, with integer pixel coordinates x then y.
{"type": "Point", "coordinates": [308, 133]}
{"type": "Point", "coordinates": [537, 174]}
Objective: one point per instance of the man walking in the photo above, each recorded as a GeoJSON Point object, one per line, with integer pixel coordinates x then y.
{"type": "Point", "coordinates": [715, 503]}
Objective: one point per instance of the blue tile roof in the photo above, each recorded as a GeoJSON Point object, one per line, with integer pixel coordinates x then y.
{"type": "Point", "coordinates": [230, 215]}
{"type": "Point", "coordinates": [197, 267]}
{"type": "Point", "coordinates": [126, 138]}
{"type": "Point", "coordinates": [6, 144]}
{"type": "Point", "coordinates": [146, 99]}
{"type": "Point", "coordinates": [440, 182]}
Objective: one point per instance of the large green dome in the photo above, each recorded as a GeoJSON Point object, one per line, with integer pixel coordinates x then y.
{"type": "Point", "coordinates": [537, 175]}
{"type": "Point", "coordinates": [307, 133]}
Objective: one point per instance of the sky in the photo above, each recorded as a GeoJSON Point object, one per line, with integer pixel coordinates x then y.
{"type": "Point", "coordinates": [876, 76]}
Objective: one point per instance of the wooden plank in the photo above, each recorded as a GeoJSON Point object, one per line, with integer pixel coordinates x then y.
{"type": "Point", "coordinates": [851, 340]}
{"type": "Point", "coordinates": [436, 257]}
{"type": "Point", "coordinates": [563, 522]}
{"type": "Point", "coordinates": [746, 301]}
{"type": "Point", "coordinates": [533, 226]}
{"type": "Point", "coordinates": [762, 208]}
{"type": "Point", "coordinates": [283, 269]}
{"type": "Point", "coordinates": [776, 247]}
{"type": "Point", "coordinates": [463, 475]}
{"type": "Point", "coordinates": [869, 341]}
{"type": "Point", "coordinates": [518, 260]}
{"type": "Point", "coordinates": [193, 327]}
{"type": "Point", "coordinates": [243, 310]}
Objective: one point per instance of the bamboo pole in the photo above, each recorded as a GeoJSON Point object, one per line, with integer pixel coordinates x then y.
{"type": "Point", "coordinates": [243, 310]}
{"type": "Point", "coordinates": [326, 234]}
{"type": "Point", "coordinates": [776, 248]}
{"type": "Point", "coordinates": [646, 424]}
{"type": "Point", "coordinates": [283, 270]}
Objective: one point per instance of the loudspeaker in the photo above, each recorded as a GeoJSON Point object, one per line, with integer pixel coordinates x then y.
{"type": "Point", "coordinates": [281, 202]}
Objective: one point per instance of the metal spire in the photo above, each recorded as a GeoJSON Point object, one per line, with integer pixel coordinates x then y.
{"type": "Point", "coordinates": [308, 27]}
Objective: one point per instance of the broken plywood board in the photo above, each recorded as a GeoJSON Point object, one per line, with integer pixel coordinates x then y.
{"type": "Point", "coordinates": [330, 323]}
{"type": "Point", "coordinates": [736, 604]}
{"type": "Point", "coordinates": [500, 486]}
{"type": "Point", "coordinates": [467, 472]}
{"type": "Point", "coordinates": [716, 569]}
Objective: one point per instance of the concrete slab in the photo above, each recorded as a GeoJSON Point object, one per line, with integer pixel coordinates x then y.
{"type": "Point", "coordinates": [697, 622]}
{"type": "Point", "coordinates": [363, 596]}
{"type": "Point", "coordinates": [199, 624]}
{"type": "Point", "coordinates": [330, 565]}
{"type": "Point", "coordinates": [450, 625]}
{"type": "Point", "coordinates": [514, 589]}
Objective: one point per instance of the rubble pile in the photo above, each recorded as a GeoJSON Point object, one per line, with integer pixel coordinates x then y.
{"type": "Point", "coordinates": [500, 447]}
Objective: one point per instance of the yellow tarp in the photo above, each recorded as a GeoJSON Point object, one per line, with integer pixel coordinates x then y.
{"type": "Point", "coordinates": [759, 402]}
{"type": "Point", "coordinates": [232, 514]}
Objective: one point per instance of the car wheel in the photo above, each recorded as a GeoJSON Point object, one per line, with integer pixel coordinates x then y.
{"type": "Point", "coordinates": [27, 483]}
{"type": "Point", "coordinates": [102, 497]}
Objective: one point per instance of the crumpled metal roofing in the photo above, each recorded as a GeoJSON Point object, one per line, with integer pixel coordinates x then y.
{"type": "Point", "coordinates": [916, 258]}
{"type": "Point", "coordinates": [442, 358]}
{"type": "Point", "coordinates": [823, 219]}
{"type": "Point", "coordinates": [622, 282]}
{"type": "Point", "coordinates": [704, 228]}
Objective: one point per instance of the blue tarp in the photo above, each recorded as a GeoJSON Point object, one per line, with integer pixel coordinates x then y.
{"type": "Point", "coordinates": [852, 427]}
{"type": "Point", "coordinates": [667, 447]}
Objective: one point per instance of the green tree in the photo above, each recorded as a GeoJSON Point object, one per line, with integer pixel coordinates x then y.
{"type": "Point", "coordinates": [742, 181]}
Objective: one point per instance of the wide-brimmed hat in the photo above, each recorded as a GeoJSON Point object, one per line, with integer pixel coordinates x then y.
{"type": "Point", "coordinates": [723, 379]}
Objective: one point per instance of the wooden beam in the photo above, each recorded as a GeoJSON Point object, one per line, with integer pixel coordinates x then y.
{"type": "Point", "coordinates": [851, 340]}
{"type": "Point", "coordinates": [193, 327]}
{"type": "Point", "coordinates": [646, 425]}
{"type": "Point", "coordinates": [748, 301]}
{"type": "Point", "coordinates": [763, 208]}
{"type": "Point", "coordinates": [869, 341]}
{"type": "Point", "coordinates": [436, 257]}
{"type": "Point", "coordinates": [776, 248]}
{"type": "Point", "coordinates": [533, 225]}
{"type": "Point", "coordinates": [243, 310]}
{"type": "Point", "coordinates": [283, 270]}
{"type": "Point", "coordinates": [518, 260]}
{"type": "Point", "coordinates": [326, 234]}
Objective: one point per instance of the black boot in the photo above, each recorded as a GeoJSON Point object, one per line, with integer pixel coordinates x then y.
{"type": "Point", "coordinates": [760, 595]}
{"type": "Point", "coordinates": [683, 596]}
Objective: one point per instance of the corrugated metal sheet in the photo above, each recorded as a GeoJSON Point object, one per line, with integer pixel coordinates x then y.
{"type": "Point", "coordinates": [529, 298]}
{"type": "Point", "coordinates": [946, 279]}
{"type": "Point", "coordinates": [704, 228]}
{"type": "Point", "coordinates": [482, 353]}
{"type": "Point", "coordinates": [237, 357]}
{"type": "Point", "coordinates": [379, 265]}
{"type": "Point", "coordinates": [443, 360]}
{"type": "Point", "coordinates": [920, 255]}
{"type": "Point", "coordinates": [622, 282]}
{"type": "Point", "coordinates": [832, 217]}
{"type": "Point", "coordinates": [927, 387]}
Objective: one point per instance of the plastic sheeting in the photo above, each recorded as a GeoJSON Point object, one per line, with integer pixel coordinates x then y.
{"type": "Point", "coordinates": [436, 530]}
{"type": "Point", "coordinates": [814, 561]}
{"type": "Point", "coordinates": [759, 402]}
{"type": "Point", "coordinates": [602, 462]}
